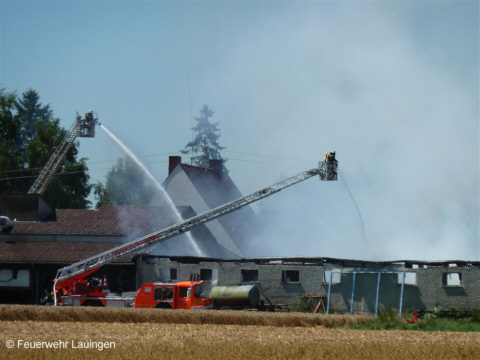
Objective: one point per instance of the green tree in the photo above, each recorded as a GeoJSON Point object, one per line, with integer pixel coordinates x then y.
{"type": "Point", "coordinates": [125, 184]}
{"type": "Point", "coordinates": [30, 111]}
{"type": "Point", "coordinates": [10, 152]}
{"type": "Point", "coordinates": [204, 145]}
{"type": "Point", "coordinates": [70, 187]}
{"type": "Point", "coordinates": [28, 137]}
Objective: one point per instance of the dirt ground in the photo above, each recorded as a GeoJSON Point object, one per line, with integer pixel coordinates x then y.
{"type": "Point", "coordinates": [153, 339]}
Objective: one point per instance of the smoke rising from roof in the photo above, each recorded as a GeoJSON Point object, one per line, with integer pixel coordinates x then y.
{"type": "Point", "coordinates": [404, 125]}
{"type": "Point", "coordinates": [388, 86]}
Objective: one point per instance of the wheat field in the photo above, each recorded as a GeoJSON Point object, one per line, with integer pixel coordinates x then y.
{"type": "Point", "coordinates": [167, 334]}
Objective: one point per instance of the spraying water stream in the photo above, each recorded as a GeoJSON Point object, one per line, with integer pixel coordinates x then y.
{"type": "Point", "coordinates": [359, 215]}
{"type": "Point", "coordinates": [157, 185]}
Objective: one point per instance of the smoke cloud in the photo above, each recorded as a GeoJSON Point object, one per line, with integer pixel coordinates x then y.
{"type": "Point", "coordinates": [405, 129]}
{"type": "Point", "coordinates": [391, 86]}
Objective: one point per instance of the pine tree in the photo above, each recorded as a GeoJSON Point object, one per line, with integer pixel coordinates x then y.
{"type": "Point", "coordinates": [30, 110]}
{"type": "Point", "coordinates": [204, 146]}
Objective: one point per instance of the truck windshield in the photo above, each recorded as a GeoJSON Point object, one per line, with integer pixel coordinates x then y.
{"type": "Point", "coordinates": [198, 290]}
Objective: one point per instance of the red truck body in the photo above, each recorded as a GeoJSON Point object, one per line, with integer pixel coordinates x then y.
{"type": "Point", "coordinates": [186, 295]}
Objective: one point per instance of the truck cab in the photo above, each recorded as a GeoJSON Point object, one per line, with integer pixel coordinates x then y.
{"type": "Point", "coordinates": [186, 295]}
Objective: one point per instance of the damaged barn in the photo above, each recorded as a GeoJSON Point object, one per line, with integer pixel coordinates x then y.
{"type": "Point", "coordinates": [343, 285]}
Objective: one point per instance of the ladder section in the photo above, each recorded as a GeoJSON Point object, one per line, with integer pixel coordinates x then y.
{"type": "Point", "coordinates": [177, 229]}
{"type": "Point", "coordinates": [54, 162]}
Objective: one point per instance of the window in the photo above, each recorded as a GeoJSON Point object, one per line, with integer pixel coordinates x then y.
{"type": "Point", "coordinates": [206, 274]}
{"type": "Point", "coordinates": [410, 278]}
{"type": "Point", "coordinates": [14, 278]}
{"type": "Point", "coordinates": [249, 275]}
{"type": "Point", "coordinates": [209, 275]}
{"type": "Point", "coordinates": [163, 294]}
{"type": "Point", "coordinates": [452, 279]}
{"type": "Point", "coordinates": [198, 291]}
{"type": "Point", "coordinates": [184, 292]}
{"type": "Point", "coordinates": [290, 276]}
{"type": "Point", "coordinates": [335, 277]}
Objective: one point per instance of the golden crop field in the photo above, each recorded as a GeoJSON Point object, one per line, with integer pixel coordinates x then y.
{"type": "Point", "coordinates": [167, 334]}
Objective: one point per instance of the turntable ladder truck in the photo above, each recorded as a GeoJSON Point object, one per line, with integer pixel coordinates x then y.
{"type": "Point", "coordinates": [81, 127]}
{"type": "Point", "coordinates": [70, 280]}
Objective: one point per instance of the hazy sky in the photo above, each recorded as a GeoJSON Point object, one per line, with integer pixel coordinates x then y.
{"type": "Point", "coordinates": [393, 87]}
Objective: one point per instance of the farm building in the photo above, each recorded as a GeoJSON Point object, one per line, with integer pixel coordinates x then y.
{"type": "Point", "coordinates": [344, 285]}
{"type": "Point", "coordinates": [43, 239]}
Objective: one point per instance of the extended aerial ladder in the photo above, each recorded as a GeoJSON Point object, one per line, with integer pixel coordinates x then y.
{"type": "Point", "coordinates": [82, 127]}
{"type": "Point", "coordinates": [67, 276]}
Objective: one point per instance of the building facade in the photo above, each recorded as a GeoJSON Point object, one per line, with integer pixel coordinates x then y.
{"type": "Point", "coordinates": [368, 285]}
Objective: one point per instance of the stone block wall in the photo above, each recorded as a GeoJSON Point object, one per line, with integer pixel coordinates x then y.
{"type": "Point", "coordinates": [284, 281]}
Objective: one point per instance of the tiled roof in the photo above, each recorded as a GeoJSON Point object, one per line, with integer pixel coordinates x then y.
{"type": "Point", "coordinates": [108, 220]}
{"type": "Point", "coordinates": [54, 251]}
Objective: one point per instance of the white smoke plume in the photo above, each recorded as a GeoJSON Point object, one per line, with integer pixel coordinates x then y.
{"type": "Point", "coordinates": [405, 129]}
